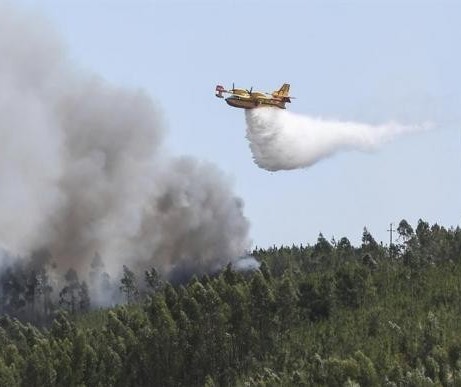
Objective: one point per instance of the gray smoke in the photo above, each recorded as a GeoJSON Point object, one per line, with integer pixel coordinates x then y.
{"type": "Point", "coordinates": [83, 170]}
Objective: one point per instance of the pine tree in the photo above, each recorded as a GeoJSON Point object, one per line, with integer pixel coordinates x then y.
{"type": "Point", "coordinates": [128, 286]}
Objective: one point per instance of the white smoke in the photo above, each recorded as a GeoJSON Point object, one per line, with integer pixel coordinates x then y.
{"type": "Point", "coordinates": [246, 264]}
{"type": "Point", "coordinates": [83, 169]}
{"type": "Point", "coordinates": [282, 140]}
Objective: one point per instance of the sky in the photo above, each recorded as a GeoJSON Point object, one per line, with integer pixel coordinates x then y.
{"type": "Point", "coordinates": [366, 61]}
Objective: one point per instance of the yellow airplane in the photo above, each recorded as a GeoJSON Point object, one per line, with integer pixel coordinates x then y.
{"type": "Point", "coordinates": [249, 99]}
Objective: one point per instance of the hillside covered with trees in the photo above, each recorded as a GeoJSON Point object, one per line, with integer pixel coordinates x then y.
{"type": "Point", "coordinates": [330, 314]}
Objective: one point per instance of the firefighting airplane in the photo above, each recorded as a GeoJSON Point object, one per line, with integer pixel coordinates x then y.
{"type": "Point", "coordinates": [249, 99]}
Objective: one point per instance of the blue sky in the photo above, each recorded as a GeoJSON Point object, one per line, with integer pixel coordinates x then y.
{"type": "Point", "coordinates": [366, 61]}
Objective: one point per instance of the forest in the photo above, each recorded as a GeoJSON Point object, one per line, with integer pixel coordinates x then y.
{"type": "Point", "coordinates": [327, 314]}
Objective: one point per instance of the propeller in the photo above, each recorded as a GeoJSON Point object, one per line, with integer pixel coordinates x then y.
{"type": "Point", "coordinates": [249, 91]}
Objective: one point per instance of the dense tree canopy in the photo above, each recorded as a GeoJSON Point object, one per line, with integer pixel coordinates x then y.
{"type": "Point", "coordinates": [329, 315]}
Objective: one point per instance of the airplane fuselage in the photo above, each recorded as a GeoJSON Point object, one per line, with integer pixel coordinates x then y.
{"type": "Point", "coordinates": [249, 103]}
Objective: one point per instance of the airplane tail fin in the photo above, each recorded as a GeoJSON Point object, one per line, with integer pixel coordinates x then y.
{"type": "Point", "coordinates": [283, 92]}
{"type": "Point", "coordinates": [219, 90]}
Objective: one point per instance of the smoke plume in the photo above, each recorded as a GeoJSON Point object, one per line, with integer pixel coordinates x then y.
{"type": "Point", "coordinates": [282, 140]}
{"type": "Point", "coordinates": [83, 169]}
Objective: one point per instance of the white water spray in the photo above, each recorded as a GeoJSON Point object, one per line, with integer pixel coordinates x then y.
{"type": "Point", "coordinates": [282, 140]}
